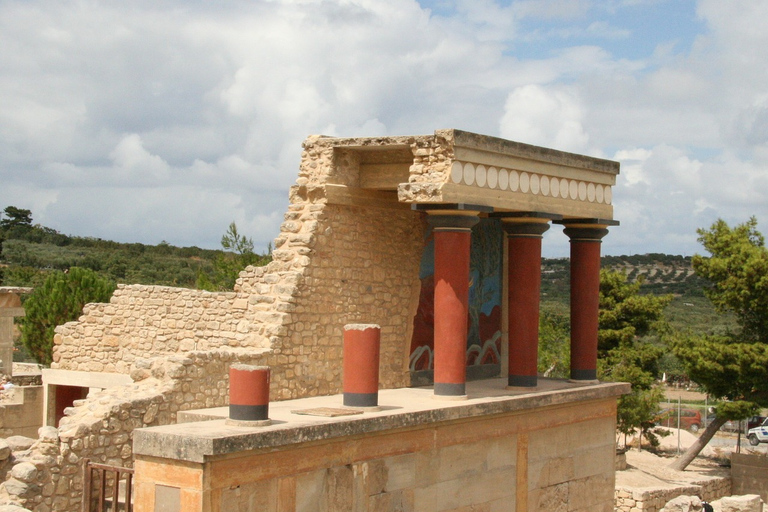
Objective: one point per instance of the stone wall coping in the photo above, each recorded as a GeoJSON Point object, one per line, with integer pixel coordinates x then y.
{"type": "Point", "coordinates": [400, 408]}
{"type": "Point", "coordinates": [15, 289]}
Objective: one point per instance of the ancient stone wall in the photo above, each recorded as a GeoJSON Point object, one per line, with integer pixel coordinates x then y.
{"type": "Point", "coordinates": [332, 265]}
{"type": "Point", "coordinates": [21, 411]}
{"type": "Point", "coordinates": [542, 458]}
{"type": "Point", "coordinates": [100, 428]}
{"type": "Point", "coordinates": [654, 499]}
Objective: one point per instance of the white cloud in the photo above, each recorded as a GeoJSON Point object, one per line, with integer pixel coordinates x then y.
{"type": "Point", "coordinates": [146, 121]}
{"type": "Point", "coordinates": [544, 117]}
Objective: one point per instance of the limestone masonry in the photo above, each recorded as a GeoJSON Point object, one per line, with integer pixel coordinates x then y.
{"type": "Point", "coordinates": [354, 248]}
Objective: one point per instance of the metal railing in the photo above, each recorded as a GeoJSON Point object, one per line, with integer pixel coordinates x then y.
{"type": "Point", "coordinates": [110, 490]}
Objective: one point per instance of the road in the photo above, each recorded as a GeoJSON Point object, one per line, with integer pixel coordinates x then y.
{"type": "Point", "coordinates": [726, 441]}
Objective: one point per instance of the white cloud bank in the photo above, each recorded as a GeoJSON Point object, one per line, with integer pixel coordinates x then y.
{"type": "Point", "coordinates": [145, 121]}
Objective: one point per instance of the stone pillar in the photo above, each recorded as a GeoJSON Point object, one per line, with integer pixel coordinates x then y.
{"type": "Point", "coordinates": [248, 395]}
{"type": "Point", "coordinates": [361, 365]}
{"type": "Point", "coordinates": [451, 228]}
{"type": "Point", "coordinates": [585, 236]}
{"type": "Point", "coordinates": [524, 233]}
{"type": "Point", "coordinates": [10, 307]}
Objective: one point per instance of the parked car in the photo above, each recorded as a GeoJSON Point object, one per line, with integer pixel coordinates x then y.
{"type": "Point", "coordinates": [758, 434]}
{"type": "Point", "coordinates": [738, 426]}
{"type": "Point", "coordinates": [690, 419]}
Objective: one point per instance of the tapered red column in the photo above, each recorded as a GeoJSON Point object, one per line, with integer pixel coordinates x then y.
{"type": "Point", "coordinates": [452, 235]}
{"type": "Point", "coordinates": [361, 365]}
{"type": "Point", "coordinates": [585, 238]}
{"type": "Point", "coordinates": [524, 285]}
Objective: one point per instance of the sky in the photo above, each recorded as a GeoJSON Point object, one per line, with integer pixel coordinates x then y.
{"type": "Point", "coordinates": [151, 120]}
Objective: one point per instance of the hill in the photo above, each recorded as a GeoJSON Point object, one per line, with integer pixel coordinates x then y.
{"type": "Point", "coordinates": [29, 252]}
{"type": "Point", "coordinates": [661, 274]}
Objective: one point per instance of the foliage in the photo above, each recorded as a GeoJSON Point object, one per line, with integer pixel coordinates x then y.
{"type": "Point", "coordinates": [33, 251]}
{"type": "Point", "coordinates": [59, 300]}
{"type": "Point", "coordinates": [637, 412]}
{"type": "Point", "coordinates": [16, 218]}
{"type": "Point", "coordinates": [625, 318]}
{"type": "Point", "coordinates": [554, 345]}
{"type": "Point", "coordinates": [731, 365]}
{"type": "Point", "coordinates": [625, 353]}
{"type": "Point", "coordinates": [228, 265]}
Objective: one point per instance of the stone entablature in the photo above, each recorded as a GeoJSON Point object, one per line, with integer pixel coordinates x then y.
{"type": "Point", "coordinates": [460, 167]}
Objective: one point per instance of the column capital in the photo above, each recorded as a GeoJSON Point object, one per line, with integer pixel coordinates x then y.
{"type": "Point", "coordinates": [587, 230]}
{"type": "Point", "coordinates": [452, 217]}
{"type": "Point", "coordinates": [526, 224]}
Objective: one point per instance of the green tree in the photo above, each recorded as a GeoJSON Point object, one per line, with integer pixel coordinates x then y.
{"type": "Point", "coordinates": [734, 365]}
{"type": "Point", "coordinates": [227, 267]}
{"type": "Point", "coordinates": [554, 345]}
{"type": "Point", "coordinates": [16, 219]}
{"type": "Point", "coordinates": [625, 351]}
{"type": "Point", "coordinates": [59, 300]}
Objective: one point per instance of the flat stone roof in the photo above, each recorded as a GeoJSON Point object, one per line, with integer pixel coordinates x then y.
{"type": "Point", "coordinates": [199, 441]}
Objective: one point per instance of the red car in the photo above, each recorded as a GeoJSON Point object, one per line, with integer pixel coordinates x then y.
{"type": "Point", "coordinates": [690, 419]}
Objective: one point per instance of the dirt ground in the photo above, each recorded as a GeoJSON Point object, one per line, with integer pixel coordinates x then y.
{"type": "Point", "coordinates": [646, 469]}
{"type": "Point", "coordinates": [673, 394]}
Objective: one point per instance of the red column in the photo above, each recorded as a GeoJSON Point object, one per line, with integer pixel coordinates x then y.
{"type": "Point", "coordinates": [248, 395]}
{"type": "Point", "coordinates": [452, 235]}
{"type": "Point", "coordinates": [585, 298]}
{"type": "Point", "coordinates": [361, 365]}
{"type": "Point", "coordinates": [523, 286]}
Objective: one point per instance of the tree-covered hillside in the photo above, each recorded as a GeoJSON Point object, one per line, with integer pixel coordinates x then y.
{"type": "Point", "coordinates": [29, 252]}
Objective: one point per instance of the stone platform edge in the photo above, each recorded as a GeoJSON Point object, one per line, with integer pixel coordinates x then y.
{"type": "Point", "coordinates": [200, 442]}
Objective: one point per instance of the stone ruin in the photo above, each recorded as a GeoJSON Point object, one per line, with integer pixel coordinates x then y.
{"type": "Point", "coordinates": [354, 248]}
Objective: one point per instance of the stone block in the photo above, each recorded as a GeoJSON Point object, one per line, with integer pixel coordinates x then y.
{"type": "Point", "coordinates": [401, 472]}
{"type": "Point", "coordinates": [310, 491]}
{"type": "Point", "coordinates": [745, 503]}
{"type": "Point", "coordinates": [462, 460]}
{"type": "Point", "coordinates": [593, 491]}
{"type": "Point", "coordinates": [551, 499]}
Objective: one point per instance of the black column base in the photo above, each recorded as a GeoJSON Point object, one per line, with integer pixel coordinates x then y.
{"type": "Point", "coordinates": [522, 381]}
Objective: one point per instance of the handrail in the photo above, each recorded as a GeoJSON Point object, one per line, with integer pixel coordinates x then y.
{"type": "Point", "coordinates": [104, 470]}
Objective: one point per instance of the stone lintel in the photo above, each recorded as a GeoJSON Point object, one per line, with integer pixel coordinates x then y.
{"type": "Point", "coordinates": [349, 196]}
{"type": "Point", "coordinates": [401, 409]}
{"type": "Point", "coordinates": [60, 377]}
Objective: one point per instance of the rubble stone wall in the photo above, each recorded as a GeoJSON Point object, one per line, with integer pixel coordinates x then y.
{"type": "Point", "coordinates": [332, 265]}
{"type": "Point", "coordinates": [653, 500]}
{"type": "Point", "coordinates": [48, 475]}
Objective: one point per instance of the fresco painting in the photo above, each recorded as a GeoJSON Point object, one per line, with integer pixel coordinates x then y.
{"type": "Point", "coordinates": [484, 317]}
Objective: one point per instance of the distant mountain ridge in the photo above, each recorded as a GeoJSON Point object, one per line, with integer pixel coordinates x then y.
{"type": "Point", "coordinates": [661, 274]}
